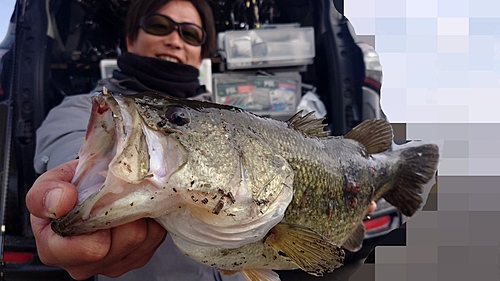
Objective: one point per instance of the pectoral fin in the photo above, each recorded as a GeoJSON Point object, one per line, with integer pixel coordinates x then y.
{"type": "Point", "coordinates": [355, 241]}
{"type": "Point", "coordinates": [311, 251]}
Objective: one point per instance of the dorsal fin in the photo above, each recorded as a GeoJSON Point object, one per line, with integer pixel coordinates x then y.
{"type": "Point", "coordinates": [375, 135]}
{"type": "Point", "coordinates": [308, 125]}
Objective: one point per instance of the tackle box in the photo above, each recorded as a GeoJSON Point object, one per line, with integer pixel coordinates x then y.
{"type": "Point", "coordinates": [274, 96]}
{"type": "Point", "coordinates": [275, 46]}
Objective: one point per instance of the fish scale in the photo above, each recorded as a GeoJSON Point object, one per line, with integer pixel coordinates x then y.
{"type": "Point", "coordinates": [315, 175]}
{"type": "Point", "coordinates": [237, 191]}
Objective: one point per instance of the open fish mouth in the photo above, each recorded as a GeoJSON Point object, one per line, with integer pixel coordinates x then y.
{"type": "Point", "coordinates": [117, 176]}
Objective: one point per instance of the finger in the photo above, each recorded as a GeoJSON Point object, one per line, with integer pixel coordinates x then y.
{"type": "Point", "coordinates": [126, 240]}
{"type": "Point", "coordinates": [371, 208]}
{"type": "Point", "coordinates": [142, 254]}
{"type": "Point", "coordinates": [52, 195]}
{"type": "Point", "coordinates": [68, 251]}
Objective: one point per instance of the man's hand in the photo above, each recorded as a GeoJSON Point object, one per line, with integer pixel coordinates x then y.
{"type": "Point", "coordinates": [111, 252]}
{"type": "Point", "coordinates": [371, 208]}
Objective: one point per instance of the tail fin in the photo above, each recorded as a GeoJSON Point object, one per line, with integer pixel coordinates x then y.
{"type": "Point", "coordinates": [418, 165]}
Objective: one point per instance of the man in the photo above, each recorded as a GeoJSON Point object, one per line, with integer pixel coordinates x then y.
{"type": "Point", "coordinates": [166, 41]}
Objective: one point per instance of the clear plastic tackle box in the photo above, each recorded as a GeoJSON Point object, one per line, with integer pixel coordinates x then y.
{"type": "Point", "coordinates": [275, 96]}
{"type": "Point", "coordinates": [268, 47]}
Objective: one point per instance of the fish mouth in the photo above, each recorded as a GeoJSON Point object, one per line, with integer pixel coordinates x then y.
{"type": "Point", "coordinates": [116, 178]}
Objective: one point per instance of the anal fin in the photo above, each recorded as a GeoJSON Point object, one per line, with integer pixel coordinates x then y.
{"type": "Point", "coordinates": [355, 241]}
{"type": "Point", "coordinates": [260, 275]}
{"type": "Point", "coordinates": [311, 251]}
{"type": "Point", "coordinates": [227, 272]}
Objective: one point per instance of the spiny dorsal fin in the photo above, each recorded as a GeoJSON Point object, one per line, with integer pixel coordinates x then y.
{"type": "Point", "coordinates": [355, 241]}
{"type": "Point", "coordinates": [308, 124]}
{"type": "Point", "coordinates": [375, 135]}
{"type": "Point", "coordinates": [311, 251]}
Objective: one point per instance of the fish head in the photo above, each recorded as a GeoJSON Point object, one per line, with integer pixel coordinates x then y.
{"type": "Point", "coordinates": [118, 174]}
{"type": "Point", "coordinates": [197, 168]}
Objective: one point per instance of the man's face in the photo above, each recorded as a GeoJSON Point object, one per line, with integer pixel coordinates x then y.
{"type": "Point", "coordinates": [170, 47]}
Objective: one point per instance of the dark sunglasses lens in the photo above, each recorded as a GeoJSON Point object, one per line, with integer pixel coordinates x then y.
{"type": "Point", "coordinates": [192, 34]}
{"type": "Point", "coordinates": [161, 26]}
{"type": "Point", "coordinates": [158, 25]}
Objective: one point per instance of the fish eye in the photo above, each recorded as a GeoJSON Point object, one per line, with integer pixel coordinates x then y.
{"type": "Point", "coordinates": [177, 116]}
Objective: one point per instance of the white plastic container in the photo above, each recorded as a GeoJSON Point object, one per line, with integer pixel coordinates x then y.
{"type": "Point", "coordinates": [107, 67]}
{"type": "Point", "coordinates": [274, 47]}
{"type": "Point", "coordinates": [205, 76]}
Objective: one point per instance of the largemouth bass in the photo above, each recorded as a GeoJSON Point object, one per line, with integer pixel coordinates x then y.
{"type": "Point", "coordinates": [237, 191]}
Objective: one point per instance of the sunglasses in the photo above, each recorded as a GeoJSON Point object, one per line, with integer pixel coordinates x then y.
{"type": "Point", "coordinates": [161, 25]}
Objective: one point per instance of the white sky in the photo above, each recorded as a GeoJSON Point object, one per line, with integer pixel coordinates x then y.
{"type": "Point", "coordinates": [6, 9]}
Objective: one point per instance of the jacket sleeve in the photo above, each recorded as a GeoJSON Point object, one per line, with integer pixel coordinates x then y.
{"type": "Point", "coordinates": [61, 134]}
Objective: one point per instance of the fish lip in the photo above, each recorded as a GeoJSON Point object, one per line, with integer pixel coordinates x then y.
{"type": "Point", "coordinates": [62, 226]}
{"type": "Point", "coordinates": [59, 228]}
{"type": "Point", "coordinates": [65, 226]}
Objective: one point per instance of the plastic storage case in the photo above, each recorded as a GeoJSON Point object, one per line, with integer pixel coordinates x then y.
{"type": "Point", "coordinates": [274, 96]}
{"type": "Point", "coordinates": [268, 47]}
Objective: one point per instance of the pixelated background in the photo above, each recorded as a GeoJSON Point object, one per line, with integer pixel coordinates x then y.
{"type": "Point", "coordinates": [6, 9]}
{"type": "Point", "coordinates": [441, 63]}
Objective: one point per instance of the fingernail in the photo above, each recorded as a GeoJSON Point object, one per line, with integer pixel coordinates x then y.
{"type": "Point", "coordinates": [52, 200]}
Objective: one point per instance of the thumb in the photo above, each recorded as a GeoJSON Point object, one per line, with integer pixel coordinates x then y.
{"type": "Point", "coordinates": [52, 195]}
